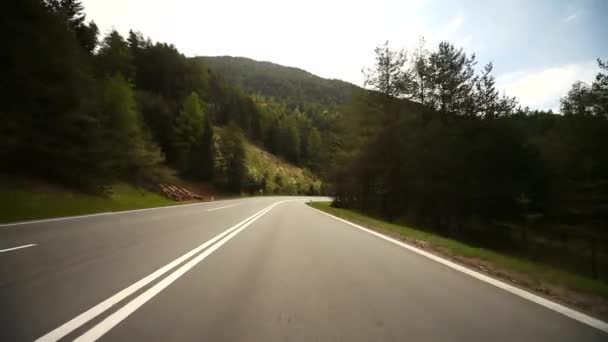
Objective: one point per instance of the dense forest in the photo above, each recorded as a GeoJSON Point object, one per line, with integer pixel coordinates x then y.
{"type": "Point", "coordinates": [88, 110]}
{"type": "Point", "coordinates": [436, 143]}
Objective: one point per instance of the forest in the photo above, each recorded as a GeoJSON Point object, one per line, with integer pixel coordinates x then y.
{"type": "Point", "coordinates": [429, 139]}
{"type": "Point", "coordinates": [437, 142]}
{"type": "Point", "coordinates": [86, 110]}
{"type": "Point", "coordinates": [436, 146]}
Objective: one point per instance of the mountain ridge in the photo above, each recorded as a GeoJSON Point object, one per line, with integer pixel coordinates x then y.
{"type": "Point", "coordinates": [294, 85]}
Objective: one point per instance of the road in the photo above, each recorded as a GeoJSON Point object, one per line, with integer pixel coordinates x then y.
{"type": "Point", "coordinates": [289, 273]}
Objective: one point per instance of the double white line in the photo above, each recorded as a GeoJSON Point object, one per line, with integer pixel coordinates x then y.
{"type": "Point", "coordinates": [111, 321]}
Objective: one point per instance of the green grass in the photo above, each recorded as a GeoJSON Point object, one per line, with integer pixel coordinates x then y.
{"type": "Point", "coordinates": [532, 270]}
{"type": "Point", "coordinates": [20, 201]}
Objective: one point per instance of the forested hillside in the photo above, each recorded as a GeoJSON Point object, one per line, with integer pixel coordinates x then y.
{"type": "Point", "coordinates": [89, 110]}
{"type": "Point", "coordinates": [300, 111]}
{"type": "Point", "coordinates": [436, 143]}
{"type": "Point", "coordinates": [293, 86]}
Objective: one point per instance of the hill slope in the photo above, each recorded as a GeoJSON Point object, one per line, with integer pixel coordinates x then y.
{"type": "Point", "coordinates": [28, 198]}
{"type": "Point", "coordinates": [262, 172]}
{"type": "Point", "coordinates": [278, 176]}
{"type": "Point", "coordinates": [292, 85]}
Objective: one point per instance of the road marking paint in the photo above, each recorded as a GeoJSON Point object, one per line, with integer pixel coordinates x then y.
{"type": "Point", "coordinates": [111, 321]}
{"type": "Point", "coordinates": [578, 316]}
{"type": "Point", "coordinates": [98, 309]}
{"type": "Point", "coordinates": [224, 207]}
{"type": "Point", "coordinates": [20, 247]}
{"type": "Point", "coordinates": [106, 213]}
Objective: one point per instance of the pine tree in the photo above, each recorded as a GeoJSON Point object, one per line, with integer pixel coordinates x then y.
{"type": "Point", "coordinates": [115, 56]}
{"type": "Point", "coordinates": [389, 75]}
{"type": "Point", "coordinates": [188, 130]}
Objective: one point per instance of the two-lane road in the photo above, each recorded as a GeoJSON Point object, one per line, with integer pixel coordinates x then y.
{"type": "Point", "coordinates": [259, 269]}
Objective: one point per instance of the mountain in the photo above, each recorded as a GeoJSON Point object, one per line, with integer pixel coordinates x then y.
{"type": "Point", "coordinates": [293, 86]}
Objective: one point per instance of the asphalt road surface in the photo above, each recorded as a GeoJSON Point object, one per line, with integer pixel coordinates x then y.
{"type": "Point", "coordinates": [259, 269]}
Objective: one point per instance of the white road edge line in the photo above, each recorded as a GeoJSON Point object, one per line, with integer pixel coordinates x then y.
{"type": "Point", "coordinates": [98, 309]}
{"type": "Point", "coordinates": [578, 316]}
{"type": "Point", "coordinates": [109, 213]}
{"type": "Point", "coordinates": [224, 207]}
{"type": "Point", "coordinates": [20, 247]}
{"type": "Point", "coordinates": [111, 321]}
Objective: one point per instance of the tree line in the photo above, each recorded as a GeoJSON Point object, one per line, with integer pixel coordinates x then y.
{"type": "Point", "coordinates": [435, 142]}
{"type": "Point", "coordinates": [88, 110]}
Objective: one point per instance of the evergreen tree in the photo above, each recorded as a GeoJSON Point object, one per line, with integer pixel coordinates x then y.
{"type": "Point", "coordinates": [115, 56]}
{"type": "Point", "coordinates": [452, 78]}
{"type": "Point", "coordinates": [230, 170]}
{"type": "Point", "coordinates": [600, 89]}
{"type": "Point", "coordinates": [49, 127]}
{"type": "Point", "coordinates": [289, 139]}
{"type": "Point", "coordinates": [188, 131]}
{"type": "Point", "coordinates": [314, 149]}
{"type": "Point", "coordinates": [72, 12]}
{"type": "Point", "coordinates": [389, 75]}
{"type": "Point", "coordinates": [421, 77]}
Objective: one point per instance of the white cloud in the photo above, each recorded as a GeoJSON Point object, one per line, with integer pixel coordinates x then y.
{"type": "Point", "coordinates": [542, 89]}
{"type": "Point", "coordinates": [572, 16]}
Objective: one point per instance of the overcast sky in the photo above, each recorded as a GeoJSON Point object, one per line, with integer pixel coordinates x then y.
{"type": "Point", "coordinates": [539, 48]}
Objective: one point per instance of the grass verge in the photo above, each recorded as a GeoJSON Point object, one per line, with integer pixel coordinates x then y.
{"type": "Point", "coordinates": [20, 201]}
{"type": "Point", "coordinates": [572, 289]}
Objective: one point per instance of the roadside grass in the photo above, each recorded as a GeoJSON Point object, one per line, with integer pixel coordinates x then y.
{"type": "Point", "coordinates": [535, 272]}
{"type": "Point", "coordinates": [19, 201]}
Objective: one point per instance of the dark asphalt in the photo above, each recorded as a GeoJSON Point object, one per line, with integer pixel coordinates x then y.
{"type": "Point", "coordinates": [293, 274]}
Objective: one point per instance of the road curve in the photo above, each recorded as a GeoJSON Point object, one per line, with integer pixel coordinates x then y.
{"type": "Point", "coordinates": [258, 269]}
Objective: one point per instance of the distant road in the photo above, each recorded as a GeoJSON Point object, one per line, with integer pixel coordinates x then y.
{"type": "Point", "coordinates": [258, 269]}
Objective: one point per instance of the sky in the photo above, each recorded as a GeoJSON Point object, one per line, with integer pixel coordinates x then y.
{"type": "Point", "coordinates": [538, 48]}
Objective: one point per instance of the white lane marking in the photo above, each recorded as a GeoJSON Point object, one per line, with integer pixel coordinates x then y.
{"type": "Point", "coordinates": [224, 207]}
{"type": "Point", "coordinates": [111, 321]}
{"type": "Point", "coordinates": [14, 248]}
{"type": "Point", "coordinates": [109, 213]}
{"type": "Point", "coordinates": [93, 312]}
{"type": "Point", "coordinates": [578, 316]}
